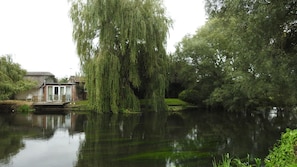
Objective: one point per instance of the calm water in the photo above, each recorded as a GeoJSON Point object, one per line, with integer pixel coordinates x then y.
{"type": "Point", "coordinates": [153, 140]}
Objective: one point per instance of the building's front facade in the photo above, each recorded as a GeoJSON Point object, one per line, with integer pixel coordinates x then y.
{"type": "Point", "coordinates": [55, 92]}
{"type": "Point", "coordinates": [47, 89]}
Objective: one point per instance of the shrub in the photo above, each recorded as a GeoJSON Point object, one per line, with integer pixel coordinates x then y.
{"type": "Point", "coordinates": [24, 108]}
{"type": "Point", "coordinates": [283, 153]}
{"type": "Point", "coordinates": [190, 96]}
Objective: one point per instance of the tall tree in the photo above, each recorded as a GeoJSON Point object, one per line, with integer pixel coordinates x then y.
{"type": "Point", "coordinates": [121, 48]}
{"type": "Point", "coordinates": [208, 53]}
{"type": "Point", "coordinates": [180, 75]}
{"type": "Point", "coordinates": [246, 53]}
{"type": "Point", "coordinates": [11, 78]}
{"type": "Point", "coordinates": [265, 46]}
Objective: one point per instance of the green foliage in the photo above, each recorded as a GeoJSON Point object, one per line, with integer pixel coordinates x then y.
{"type": "Point", "coordinates": [12, 78]}
{"type": "Point", "coordinates": [245, 55]}
{"type": "Point", "coordinates": [24, 108]}
{"type": "Point", "coordinates": [228, 161]}
{"type": "Point", "coordinates": [121, 48]}
{"type": "Point", "coordinates": [284, 152]}
{"type": "Point", "coordinates": [180, 75]}
{"type": "Point", "coordinates": [207, 55]}
{"type": "Point", "coordinates": [10, 143]}
{"type": "Point", "coordinates": [190, 96]}
{"type": "Point", "coordinates": [175, 102]}
{"type": "Point", "coordinates": [63, 80]}
{"type": "Point", "coordinates": [81, 105]}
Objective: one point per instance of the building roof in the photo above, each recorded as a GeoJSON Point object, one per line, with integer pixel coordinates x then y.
{"type": "Point", "coordinates": [40, 77]}
{"type": "Point", "coordinates": [39, 74]}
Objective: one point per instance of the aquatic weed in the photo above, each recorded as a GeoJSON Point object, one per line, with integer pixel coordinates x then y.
{"type": "Point", "coordinates": [228, 161]}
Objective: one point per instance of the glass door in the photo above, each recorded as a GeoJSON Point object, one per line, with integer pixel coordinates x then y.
{"type": "Point", "coordinates": [56, 93]}
{"type": "Point", "coordinates": [50, 93]}
{"type": "Point", "coordinates": [62, 94]}
{"type": "Point", "coordinates": [68, 93]}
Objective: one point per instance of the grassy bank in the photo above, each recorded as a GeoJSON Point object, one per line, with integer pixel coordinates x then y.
{"type": "Point", "coordinates": [174, 104]}
{"type": "Point", "coordinates": [79, 106]}
{"type": "Point", "coordinates": [16, 106]}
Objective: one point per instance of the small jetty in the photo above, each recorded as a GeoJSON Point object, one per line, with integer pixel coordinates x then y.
{"type": "Point", "coordinates": [50, 107]}
{"type": "Point", "coordinates": [50, 104]}
{"type": "Point", "coordinates": [39, 107]}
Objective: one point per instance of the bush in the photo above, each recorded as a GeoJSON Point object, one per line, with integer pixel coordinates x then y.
{"type": "Point", "coordinates": [190, 96]}
{"type": "Point", "coordinates": [284, 152]}
{"type": "Point", "coordinates": [24, 108]}
{"type": "Point", "coordinates": [282, 155]}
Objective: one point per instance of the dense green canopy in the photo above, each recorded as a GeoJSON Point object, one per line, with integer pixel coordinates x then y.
{"type": "Point", "coordinates": [245, 55]}
{"type": "Point", "coordinates": [11, 78]}
{"type": "Point", "coordinates": [121, 48]}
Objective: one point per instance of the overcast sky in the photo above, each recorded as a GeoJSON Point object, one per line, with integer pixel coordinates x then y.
{"type": "Point", "coordinates": [38, 33]}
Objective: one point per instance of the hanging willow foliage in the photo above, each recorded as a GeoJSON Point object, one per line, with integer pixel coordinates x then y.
{"type": "Point", "coordinates": [121, 48]}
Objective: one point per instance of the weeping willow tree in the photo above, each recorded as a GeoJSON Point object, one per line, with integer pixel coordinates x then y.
{"type": "Point", "coordinates": [121, 45]}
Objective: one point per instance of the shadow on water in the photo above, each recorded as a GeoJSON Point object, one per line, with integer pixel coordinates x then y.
{"type": "Point", "coordinates": [192, 138]}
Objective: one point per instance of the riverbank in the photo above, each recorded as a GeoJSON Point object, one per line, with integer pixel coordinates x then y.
{"type": "Point", "coordinates": [173, 104]}
{"type": "Point", "coordinates": [16, 106]}
{"type": "Point", "coordinates": [240, 129]}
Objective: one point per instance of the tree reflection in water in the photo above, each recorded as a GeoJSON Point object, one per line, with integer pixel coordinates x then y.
{"type": "Point", "coordinates": [10, 140]}
{"type": "Point", "coordinates": [19, 133]}
{"type": "Point", "coordinates": [191, 138]}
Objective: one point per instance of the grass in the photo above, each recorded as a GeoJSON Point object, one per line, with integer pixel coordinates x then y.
{"type": "Point", "coordinates": [176, 102]}
{"type": "Point", "coordinates": [82, 105]}
{"type": "Point", "coordinates": [19, 105]}
{"type": "Point", "coordinates": [16, 102]}
{"type": "Point", "coordinates": [228, 161]}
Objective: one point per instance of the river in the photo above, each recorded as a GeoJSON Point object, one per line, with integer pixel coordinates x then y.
{"type": "Point", "coordinates": [191, 138]}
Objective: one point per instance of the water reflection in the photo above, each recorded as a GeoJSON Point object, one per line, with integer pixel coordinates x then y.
{"type": "Point", "coordinates": [40, 140]}
{"type": "Point", "coordinates": [59, 150]}
{"type": "Point", "coordinates": [191, 138]}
